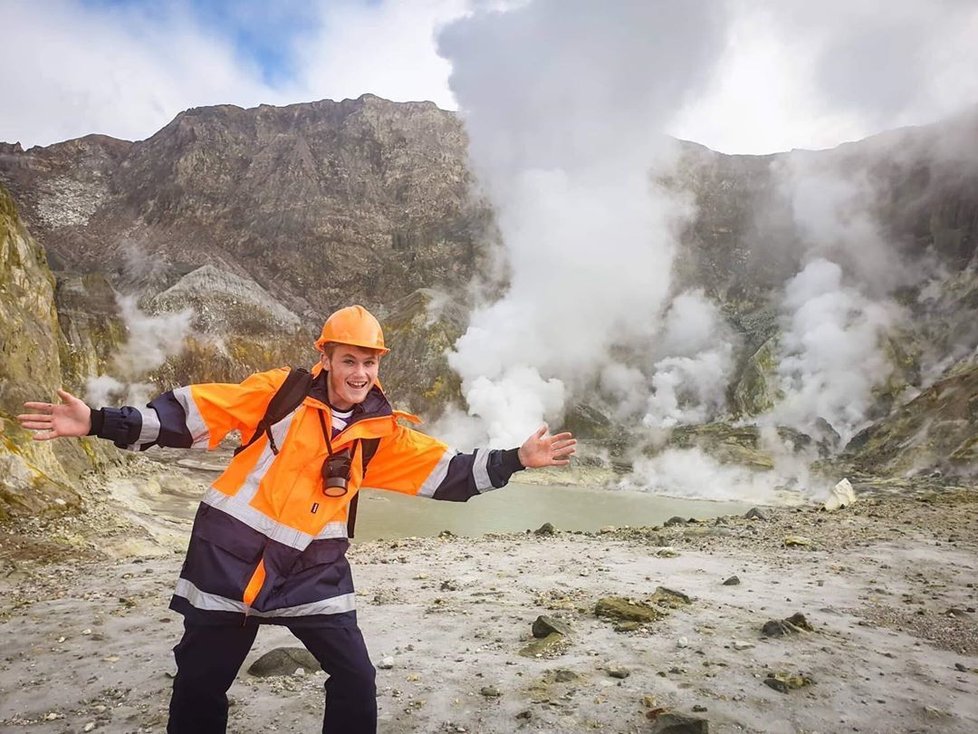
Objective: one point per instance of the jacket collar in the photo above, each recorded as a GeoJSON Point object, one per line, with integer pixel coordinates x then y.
{"type": "Point", "coordinates": [375, 405]}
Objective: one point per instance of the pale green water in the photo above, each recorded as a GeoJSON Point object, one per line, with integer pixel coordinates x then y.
{"type": "Point", "coordinates": [521, 507]}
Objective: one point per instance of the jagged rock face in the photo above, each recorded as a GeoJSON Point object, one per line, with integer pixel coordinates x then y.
{"type": "Point", "coordinates": [936, 430]}
{"type": "Point", "coordinates": [318, 203]}
{"type": "Point", "coordinates": [34, 477]}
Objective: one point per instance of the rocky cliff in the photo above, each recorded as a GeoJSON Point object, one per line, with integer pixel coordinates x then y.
{"type": "Point", "coordinates": [312, 202]}
{"type": "Point", "coordinates": [37, 359]}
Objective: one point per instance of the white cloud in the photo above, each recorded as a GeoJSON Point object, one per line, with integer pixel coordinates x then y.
{"type": "Point", "coordinates": [798, 74]}
{"type": "Point", "coordinates": [72, 69]}
{"type": "Point", "coordinates": [387, 49]}
{"type": "Point", "coordinates": [793, 73]}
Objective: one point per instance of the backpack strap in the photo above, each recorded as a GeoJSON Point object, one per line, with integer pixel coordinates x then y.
{"type": "Point", "coordinates": [368, 447]}
{"type": "Point", "coordinates": [287, 398]}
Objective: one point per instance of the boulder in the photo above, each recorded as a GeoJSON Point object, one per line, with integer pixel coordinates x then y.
{"type": "Point", "coordinates": [283, 661]}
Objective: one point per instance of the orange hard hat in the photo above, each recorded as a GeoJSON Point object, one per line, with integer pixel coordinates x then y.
{"type": "Point", "coordinates": [353, 325]}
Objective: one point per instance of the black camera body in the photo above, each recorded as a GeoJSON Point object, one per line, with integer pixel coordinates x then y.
{"type": "Point", "coordinates": [336, 473]}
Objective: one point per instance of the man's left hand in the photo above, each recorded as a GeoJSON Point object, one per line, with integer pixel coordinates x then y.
{"type": "Point", "coordinates": [541, 449]}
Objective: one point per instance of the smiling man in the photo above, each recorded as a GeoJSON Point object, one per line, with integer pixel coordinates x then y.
{"type": "Point", "coordinates": [269, 541]}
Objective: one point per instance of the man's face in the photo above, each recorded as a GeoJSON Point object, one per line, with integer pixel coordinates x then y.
{"type": "Point", "coordinates": [352, 372]}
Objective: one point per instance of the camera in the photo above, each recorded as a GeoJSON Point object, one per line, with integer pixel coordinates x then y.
{"type": "Point", "coordinates": [336, 473]}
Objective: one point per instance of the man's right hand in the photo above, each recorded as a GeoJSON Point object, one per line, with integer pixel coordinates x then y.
{"type": "Point", "coordinates": [69, 418]}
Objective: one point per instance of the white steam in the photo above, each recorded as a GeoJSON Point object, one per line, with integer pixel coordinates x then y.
{"type": "Point", "coordinates": [835, 312]}
{"type": "Point", "coordinates": [564, 103]}
{"type": "Point", "coordinates": [690, 382]}
{"type": "Point", "coordinates": [151, 340]}
{"type": "Point", "coordinates": [694, 474]}
{"type": "Point", "coordinates": [831, 357]}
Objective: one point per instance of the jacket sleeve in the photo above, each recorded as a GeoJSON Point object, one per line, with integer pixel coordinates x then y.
{"type": "Point", "coordinates": [411, 462]}
{"type": "Point", "coordinates": [195, 416]}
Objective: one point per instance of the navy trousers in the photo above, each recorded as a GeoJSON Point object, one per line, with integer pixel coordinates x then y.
{"type": "Point", "coordinates": [209, 657]}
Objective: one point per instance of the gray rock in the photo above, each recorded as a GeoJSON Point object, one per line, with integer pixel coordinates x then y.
{"type": "Point", "coordinates": [544, 625]}
{"type": "Point", "coordinates": [283, 661]}
{"type": "Point", "coordinates": [755, 514]}
{"type": "Point", "coordinates": [732, 581]}
{"type": "Point", "coordinates": [545, 529]}
{"type": "Point", "coordinates": [674, 520]}
{"type": "Point", "coordinates": [791, 625]}
{"type": "Point", "coordinates": [673, 723]}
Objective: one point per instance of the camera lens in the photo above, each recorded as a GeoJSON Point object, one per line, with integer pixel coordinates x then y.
{"type": "Point", "coordinates": [336, 473]}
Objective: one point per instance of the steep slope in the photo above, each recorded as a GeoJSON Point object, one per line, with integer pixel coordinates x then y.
{"type": "Point", "coordinates": [312, 201]}
{"type": "Point", "coordinates": [34, 477]}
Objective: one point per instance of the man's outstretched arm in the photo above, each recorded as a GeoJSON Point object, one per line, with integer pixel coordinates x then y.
{"type": "Point", "coordinates": [414, 463]}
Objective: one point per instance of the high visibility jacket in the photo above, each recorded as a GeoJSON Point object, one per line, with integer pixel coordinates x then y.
{"type": "Point", "coordinates": [267, 543]}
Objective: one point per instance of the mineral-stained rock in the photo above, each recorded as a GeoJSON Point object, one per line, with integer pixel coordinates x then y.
{"type": "Point", "coordinates": [35, 477]}
{"type": "Point", "coordinates": [550, 646]}
{"type": "Point", "coordinates": [669, 598]}
{"type": "Point", "coordinates": [624, 610]}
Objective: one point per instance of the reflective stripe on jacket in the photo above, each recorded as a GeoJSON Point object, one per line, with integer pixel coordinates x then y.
{"type": "Point", "coordinates": [266, 541]}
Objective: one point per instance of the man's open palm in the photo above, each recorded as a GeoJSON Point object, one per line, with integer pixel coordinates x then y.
{"type": "Point", "coordinates": [541, 449]}
{"type": "Point", "coordinates": [71, 417]}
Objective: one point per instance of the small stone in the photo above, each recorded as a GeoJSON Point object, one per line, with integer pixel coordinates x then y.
{"type": "Point", "coordinates": [283, 661]}
{"type": "Point", "coordinates": [961, 667]}
{"type": "Point", "coordinates": [545, 625]}
{"type": "Point", "coordinates": [624, 610]}
{"type": "Point", "coordinates": [619, 672]}
{"type": "Point", "coordinates": [668, 722]}
{"type": "Point", "coordinates": [386, 663]}
{"type": "Point", "coordinates": [674, 520]}
{"type": "Point", "coordinates": [797, 541]}
{"type": "Point", "coordinates": [682, 642]}
{"type": "Point", "coordinates": [89, 726]}
{"type": "Point", "coordinates": [699, 709]}
{"type": "Point", "coordinates": [742, 645]}
{"type": "Point", "coordinates": [667, 552]}
{"type": "Point", "coordinates": [732, 581]}
{"type": "Point", "coordinates": [52, 716]}
{"type": "Point", "coordinates": [490, 692]}
{"type": "Point", "coordinates": [669, 597]}
{"type": "Point", "coordinates": [545, 529]}
{"type": "Point", "coordinates": [754, 514]}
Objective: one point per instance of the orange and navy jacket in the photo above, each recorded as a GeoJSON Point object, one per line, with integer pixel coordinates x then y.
{"type": "Point", "coordinates": [267, 543]}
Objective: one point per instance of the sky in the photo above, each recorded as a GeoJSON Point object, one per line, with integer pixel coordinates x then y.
{"type": "Point", "coordinates": [788, 74]}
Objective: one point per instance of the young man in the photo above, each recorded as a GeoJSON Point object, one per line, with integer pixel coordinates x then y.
{"type": "Point", "coordinates": [269, 540]}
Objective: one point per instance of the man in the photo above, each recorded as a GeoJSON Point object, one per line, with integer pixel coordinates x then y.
{"type": "Point", "coordinates": [269, 540]}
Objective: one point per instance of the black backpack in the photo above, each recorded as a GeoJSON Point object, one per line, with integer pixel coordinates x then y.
{"type": "Point", "coordinates": [286, 399]}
